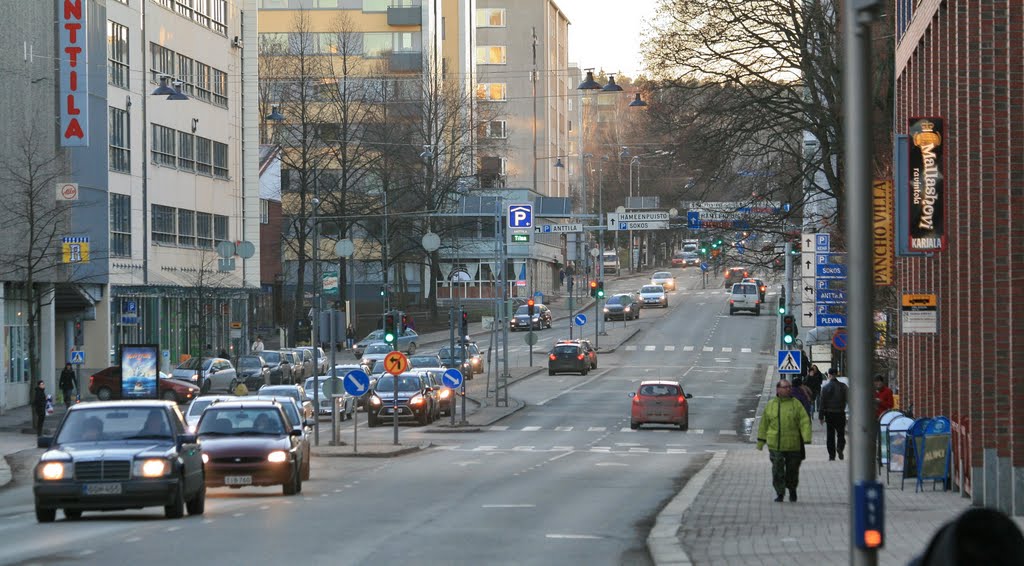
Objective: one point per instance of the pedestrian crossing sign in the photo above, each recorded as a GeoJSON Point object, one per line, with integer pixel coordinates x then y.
{"type": "Point", "coordinates": [789, 361]}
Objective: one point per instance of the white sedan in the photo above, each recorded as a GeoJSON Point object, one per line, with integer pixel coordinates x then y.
{"type": "Point", "coordinates": [653, 295]}
{"type": "Point", "coordinates": [665, 279]}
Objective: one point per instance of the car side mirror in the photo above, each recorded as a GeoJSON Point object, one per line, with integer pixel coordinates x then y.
{"type": "Point", "coordinates": [632, 393]}
{"type": "Point", "coordinates": [295, 432]}
{"type": "Point", "coordinates": [186, 439]}
{"type": "Point", "coordinates": [44, 441]}
{"type": "Point", "coordinates": [689, 395]}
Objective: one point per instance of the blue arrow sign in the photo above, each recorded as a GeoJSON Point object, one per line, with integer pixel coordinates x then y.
{"type": "Point", "coordinates": [356, 382]}
{"type": "Point", "coordinates": [693, 219]}
{"type": "Point", "coordinates": [580, 319]}
{"type": "Point", "coordinates": [789, 361]}
{"type": "Point", "coordinates": [703, 266]}
{"type": "Point", "coordinates": [452, 378]}
{"type": "Point", "coordinates": [829, 296]}
{"type": "Point", "coordinates": [832, 320]}
{"type": "Point", "coordinates": [830, 271]}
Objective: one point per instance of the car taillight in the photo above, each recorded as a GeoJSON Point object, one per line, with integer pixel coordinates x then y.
{"type": "Point", "coordinates": [579, 357]}
{"type": "Point", "coordinates": [757, 301]}
{"type": "Point", "coordinates": [763, 288]}
{"type": "Point", "coordinates": [730, 301]}
{"type": "Point", "coordinates": [552, 357]}
{"type": "Point", "coordinates": [680, 400]}
{"type": "Point", "coordinates": [91, 378]}
{"type": "Point", "coordinates": [726, 275]}
{"type": "Point", "coordinates": [636, 400]}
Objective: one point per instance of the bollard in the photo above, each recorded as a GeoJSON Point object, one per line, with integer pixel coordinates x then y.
{"type": "Point", "coordinates": [334, 420]}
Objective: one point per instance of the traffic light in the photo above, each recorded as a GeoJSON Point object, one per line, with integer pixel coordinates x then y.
{"type": "Point", "coordinates": [382, 292]}
{"type": "Point", "coordinates": [79, 336]}
{"type": "Point", "coordinates": [390, 335]}
{"type": "Point", "coordinates": [600, 289]}
{"type": "Point", "coordinates": [529, 306]}
{"type": "Point", "coordinates": [593, 288]}
{"type": "Point", "coordinates": [464, 321]}
{"type": "Point", "coordinates": [788, 329]}
{"type": "Point", "coordinates": [703, 249]}
{"type": "Point", "coordinates": [782, 305]}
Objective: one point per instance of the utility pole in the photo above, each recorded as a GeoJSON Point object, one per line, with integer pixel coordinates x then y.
{"type": "Point", "coordinates": [315, 321]}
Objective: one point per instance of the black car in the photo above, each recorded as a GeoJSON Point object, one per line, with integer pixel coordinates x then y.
{"type": "Point", "coordinates": [280, 367]}
{"type": "Point", "coordinates": [522, 320]}
{"type": "Point", "coordinates": [414, 399]}
{"type": "Point", "coordinates": [253, 371]}
{"type": "Point", "coordinates": [454, 359]}
{"type": "Point", "coordinates": [568, 356]}
{"type": "Point", "coordinates": [114, 455]}
{"type": "Point", "coordinates": [622, 307]}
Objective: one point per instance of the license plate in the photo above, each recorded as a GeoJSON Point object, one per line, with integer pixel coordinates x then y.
{"type": "Point", "coordinates": [237, 480]}
{"type": "Point", "coordinates": [389, 411]}
{"type": "Point", "coordinates": [102, 489]}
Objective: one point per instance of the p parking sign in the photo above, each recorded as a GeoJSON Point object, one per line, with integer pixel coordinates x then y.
{"type": "Point", "coordinates": [520, 216]}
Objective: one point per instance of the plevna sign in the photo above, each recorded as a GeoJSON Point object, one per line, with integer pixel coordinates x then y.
{"type": "Point", "coordinates": [927, 218]}
{"type": "Point", "coordinates": [74, 75]}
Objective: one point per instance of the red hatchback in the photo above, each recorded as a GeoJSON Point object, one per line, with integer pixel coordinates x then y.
{"type": "Point", "coordinates": [660, 402]}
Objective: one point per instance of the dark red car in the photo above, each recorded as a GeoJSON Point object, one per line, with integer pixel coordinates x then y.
{"type": "Point", "coordinates": [250, 443]}
{"type": "Point", "coordinates": [660, 402]}
{"type": "Point", "coordinates": [106, 386]}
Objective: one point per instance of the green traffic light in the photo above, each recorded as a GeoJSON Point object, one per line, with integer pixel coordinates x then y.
{"type": "Point", "coordinates": [787, 339]}
{"type": "Point", "coordinates": [782, 310]}
{"type": "Point", "coordinates": [389, 337]}
{"type": "Point", "coordinates": [600, 294]}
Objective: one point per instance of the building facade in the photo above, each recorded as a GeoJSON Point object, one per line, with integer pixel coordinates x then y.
{"type": "Point", "coordinates": [958, 67]}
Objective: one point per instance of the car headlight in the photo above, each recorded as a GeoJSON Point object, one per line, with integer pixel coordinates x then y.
{"type": "Point", "coordinates": [606, 309]}
{"type": "Point", "coordinates": [151, 468]}
{"type": "Point", "coordinates": [206, 458]}
{"type": "Point", "coordinates": [626, 309]}
{"type": "Point", "coordinates": [51, 471]}
{"type": "Point", "coordinates": [277, 456]}
{"type": "Point", "coordinates": [446, 393]}
{"type": "Point", "coordinates": [375, 401]}
{"type": "Point", "coordinates": [416, 400]}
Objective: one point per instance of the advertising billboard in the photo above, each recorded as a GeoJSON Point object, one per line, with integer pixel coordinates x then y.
{"type": "Point", "coordinates": [927, 184]}
{"type": "Point", "coordinates": [139, 371]}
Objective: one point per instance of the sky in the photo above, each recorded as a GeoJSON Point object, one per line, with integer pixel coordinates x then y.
{"type": "Point", "coordinates": [606, 34]}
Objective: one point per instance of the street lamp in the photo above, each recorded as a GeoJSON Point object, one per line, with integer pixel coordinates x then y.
{"type": "Point", "coordinates": [315, 323]}
{"type": "Point", "coordinates": [637, 102]}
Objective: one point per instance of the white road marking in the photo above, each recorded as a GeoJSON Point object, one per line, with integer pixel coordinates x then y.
{"type": "Point", "coordinates": [625, 444]}
{"type": "Point", "coordinates": [650, 348]}
{"type": "Point", "coordinates": [530, 428]}
{"type": "Point", "coordinates": [87, 552]}
{"type": "Point", "coordinates": [708, 349]}
{"type": "Point", "coordinates": [172, 529]}
{"type": "Point", "coordinates": [482, 448]}
{"type": "Point", "coordinates": [563, 429]}
{"type": "Point", "coordinates": [695, 431]}
{"type": "Point", "coordinates": [723, 360]}
{"type": "Point", "coordinates": [562, 455]}
{"type": "Point", "coordinates": [468, 463]}
{"type": "Point", "coordinates": [207, 521]}
{"type": "Point", "coordinates": [561, 448]}
{"type": "Point", "coordinates": [726, 349]}
{"type": "Point", "coordinates": [626, 429]}
{"type": "Point", "coordinates": [611, 464]}
{"type": "Point", "coordinates": [670, 348]}
{"type": "Point", "coordinates": [243, 514]}
{"type": "Point", "coordinates": [507, 505]}
{"type": "Point", "coordinates": [675, 450]}
{"type": "Point", "coordinates": [641, 449]}
{"type": "Point", "coordinates": [496, 428]}
{"type": "Point", "coordinates": [576, 537]}
{"type": "Point", "coordinates": [727, 432]}
{"type": "Point", "coordinates": [703, 396]}
{"type": "Point", "coordinates": [745, 350]}
{"type": "Point", "coordinates": [630, 348]}
{"type": "Point", "coordinates": [596, 429]}
{"type": "Point", "coordinates": [523, 448]}
{"type": "Point", "coordinates": [600, 448]}
{"type": "Point", "coordinates": [687, 348]}
{"type": "Point", "coordinates": [133, 539]}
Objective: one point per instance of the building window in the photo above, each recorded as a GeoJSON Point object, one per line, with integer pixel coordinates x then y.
{"type": "Point", "coordinates": [490, 55]}
{"type": "Point", "coordinates": [375, 44]}
{"type": "Point", "coordinates": [494, 129]}
{"type": "Point", "coordinates": [204, 230]}
{"type": "Point", "coordinates": [163, 225]}
{"type": "Point", "coordinates": [117, 54]}
{"type": "Point", "coordinates": [161, 62]}
{"type": "Point", "coordinates": [490, 17]}
{"type": "Point", "coordinates": [376, 5]}
{"type": "Point", "coordinates": [220, 160]}
{"type": "Point", "coordinates": [186, 76]}
{"type": "Point", "coordinates": [186, 151]}
{"type": "Point", "coordinates": [186, 227]}
{"type": "Point", "coordinates": [203, 81]}
{"type": "Point", "coordinates": [120, 225]}
{"type": "Point", "coordinates": [220, 228]}
{"type": "Point", "coordinates": [120, 141]}
{"type": "Point", "coordinates": [163, 145]}
{"type": "Point", "coordinates": [204, 156]}
{"type": "Point", "coordinates": [264, 211]}
{"type": "Point", "coordinates": [220, 87]}
{"type": "Point", "coordinates": [490, 91]}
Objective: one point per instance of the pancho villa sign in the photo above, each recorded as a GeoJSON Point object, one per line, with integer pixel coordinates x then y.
{"type": "Point", "coordinates": [927, 217]}
{"type": "Point", "coordinates": [74, 81]}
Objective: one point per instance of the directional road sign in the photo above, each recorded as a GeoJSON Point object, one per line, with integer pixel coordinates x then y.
{"type": "Point", "coordinates": [822, 242]}
{"type": "Point", "coordinates": [452, 378]}
{"type": "Point", "coordinates": [332, 386]}
{"type": "Point", "coordinates": [557, 228]}
{"type": "Point", "coordinates": [789, 361]}
{"type": "Point", "coordinates": [830, 271]}
{"type": "Point", "coordinates": [520, 215]}
{"type": "Point", "coordinates": [639, 225]}
{"type": "Point", "coordinates": [693, 220]}
{"type": "Point", "coordinates": [642, 216]}
{"type": "Point", "coordinates": [829, 297]}
{"type": "Point", "coordinates": [580, 319]}
{"type": "Point", "coordinates": [832, 320]}
{"type": "Point", "coordinates": [395, 363]}
{"type": "Point", "coordinates": [703, 266]}
{"type": "Point", "coordinates": [356, 382]}
{"type": "Point", "coordinates": [77, 357]}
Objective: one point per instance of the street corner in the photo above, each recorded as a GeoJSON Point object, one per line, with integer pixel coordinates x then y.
{"type": "Point", "coordinates": [373, 450]}
{"type": "Point", "coordinates": [19, 467]}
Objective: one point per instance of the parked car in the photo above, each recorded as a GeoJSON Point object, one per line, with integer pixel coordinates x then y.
{"type": "Point", "coordinates": [660, 402]}
{"type": "Point", "coordinates": [453, 359]}
{"type": "Point", "coordinates": [348, 402]}
{"type": "Point", "coordinates": [588, 349]}
{"type": "Point", "coordinates": [408, 341]}
{"type": "Point", "coordinates": [302, 363]}
{"type": "Point", "coordinates": [413, 402]}
{"type": "Point", "coordinates": [300, 424]}
{"type": "Point", "coordinates": [653, 295]}
{"type": "Point", "coordinates": [198, 405]}
{"type": "Point", "coordinates": [522, 320]}
{"type": "Point", "coordinates": [624, 306]}
{"type": "Point", "coordinates": [119, 455]}
{"type": "Point", "coordinates": [323, 362]}
{"type": "Point", "coordinates": [745, 297]}
{"type": "Point", "coordinates": [280, 367]}
{"type": "Point", "coordinates": [665, 279]}
{"type": "Point", "coordinates": [198, 370]}
{"type": "Point", "coordinates": [106, 386]}
{"type": "Point", "coordinates": [568, 356]}
{"type": "Point", "coordinates": [253, 371]}
{"type": "Point", "coordinates": [247, 443]}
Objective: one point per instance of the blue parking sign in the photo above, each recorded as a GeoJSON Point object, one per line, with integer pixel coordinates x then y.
{"type": "Point", "coordinates": [520, 215]}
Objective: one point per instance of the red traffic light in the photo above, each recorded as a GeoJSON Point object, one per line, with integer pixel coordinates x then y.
{"type": "Point", "coordinates": [530, 303]}
{"type": "Point", "coordinates": [593, 284]}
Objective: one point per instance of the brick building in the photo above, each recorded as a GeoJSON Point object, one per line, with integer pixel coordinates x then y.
{"type": "Point", "coordinates": [961, 61]}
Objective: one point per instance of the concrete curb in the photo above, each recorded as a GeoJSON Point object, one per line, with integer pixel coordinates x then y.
{"type": "Point", "coordinates": [662, 542]}
{"type": "Point", "coordinates": [391, 454]}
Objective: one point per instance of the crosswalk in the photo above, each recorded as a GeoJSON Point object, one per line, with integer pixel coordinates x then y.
{"type": "Point", "coordinates": [593, 428]}
{"type": "Point", "coordinates": [672, 348]}
{"type": "Point", "coordinates": [618, 450]}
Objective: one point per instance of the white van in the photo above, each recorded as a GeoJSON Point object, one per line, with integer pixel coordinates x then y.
{"type": "Point", "coordinates": [610, 262]}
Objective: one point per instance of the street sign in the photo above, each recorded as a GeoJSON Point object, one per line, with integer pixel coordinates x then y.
{"type": "Point", "coordinates": [807, 319]}
{"type": "Point", "coordinates": [822, 242]}
{"type": "Point", "coordinates": [78, 357]}
{"type": "Point", "coordinates": [693, 220]}
{"type": "Point", "coordinates": [642, 216]}
{"type": "Point", "coordinates": [829, 297]}
{"type": "Point", "coordinates": [530, 338]}
{"type": "Point", "coordinates": [129, 312]}
{"type": "Point", "coordinates": [839, 340]}
{"type": "Point", "coordinates": [639, 225]}
{"type": "Point", "coordinates": [807, 292]}
{"type": "Point", "coordinates": [557, 228]}
{"type": "Point", "coordinates": [67, 191]}
{"type": "Point", "coordinates": [452, 378]}
{"type": "Point", "coordinates": [356, 382]}
{"type": "Point", "coordinates": [830, 271]}
{"type": "Point", "coordinates": [332, 386]}
{"type": "Point", "coordinates": [580, 319]}
{"type": "Point", "coordinates": [395, 363]}
{"type": "Point", "coordinates": [520, 216]}
{"type": "Point", "coordinates": [807, 260]}
{"type": "Point", "coordinates": [520, 237]}
{"type": "Point", "coordinates": [789, 361]}
{"type": "Point", "coordinates": [703, 266]}
{"type": "Point", "coordinates": [831, 320]}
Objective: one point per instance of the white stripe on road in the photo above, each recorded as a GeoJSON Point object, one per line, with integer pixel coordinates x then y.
{"type": "Point", "coordinates": [530, 428]}
{"type": "Point", "coordinates": [708, 349]}
{"type": "Point", "coordinates": [577, 537]}
{"type": "Point", "coordinates": [650, 348]}
{"type": "Point", "coordinates": [687, 348]}
{"type": "Point", "coordinates": [630, 348]}
{"type": "Point", "coordinates": [507, 505]}
{"type": "Point", "coordinates": [670, 348]}
{"type": "Point", "coordinates": [563, 429]}
{"type": "Point", "coordinates": [596, 429]}
{"type": "Point", "coordinates": [496, 428]}
{"type": "Point", "coordinates": [484, 448]}
{"type": "Point", "coordinates": [675, 450]}
{"type": "Point", "coordinates": [522, 448]}
{"type": "Point", "coordinates": [745, 350]}
{"type": "Point", "coordinates": [726, 349]}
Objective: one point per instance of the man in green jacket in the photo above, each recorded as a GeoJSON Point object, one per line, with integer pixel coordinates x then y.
{"type": "Point", "coordinates": [785, 427]}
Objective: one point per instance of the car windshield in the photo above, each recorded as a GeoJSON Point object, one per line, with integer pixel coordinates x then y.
{"type": "Point", "coordinates": [249, 362]}
{"type": "Point", "coordinates": [525, 310]}
{"type": "Point", "coordinates": [423, 361]}
{"type": "Point", "coordinates": [219, 421]}
{"type": "Point", "coordinates": [445, 353]}
{"type": "Point", "coordinates": [197, 406]}
{"type": "Point", "coordinates": [744, 290]}
{"type": "Point", "coordinates": [194, 363]}
{"type": "Point", "coordinates": [689, 255]}
{"type": "Point", "coordinates": [286, 390]}
{"type": "Point", "coordinates": [272, 357]}
{"type": "Point", "coordinates": [662, 275]}
{"type": "Point", "coordinates": [652, 289]}
{"type": "Point", "coordinates": [405, 383]}
{"type": "Point", "coordinates": [115, 423]}
{"type": "Point", "coordinates": [290, 409]}
{"type": "Point", "coordinates": [618, 300]}
{"type": "Point", "coordinates": [377, 349]}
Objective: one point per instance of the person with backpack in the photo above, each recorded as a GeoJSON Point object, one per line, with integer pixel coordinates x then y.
{"type": "Point", "coordinates": [832, 412]}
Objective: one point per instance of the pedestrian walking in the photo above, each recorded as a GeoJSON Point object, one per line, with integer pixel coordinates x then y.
{"type": "Point", "coordinates": [803, 394]}
{"type": "Point", "coordinates": [785, 427]}
{"type": "Point", "coordinates": [68, 384]}
{"type": "Point", "coordinates": [832, 412]}
{"type": "Point", "coordinates": [257, 345]}
{"type": "Point", "coordinates": [883, 397]}
{"type": "Point", "coordinates": [350, 337]}
{"type": "Point", "coordinates": [39, 402]}
{"type": "Point", "coordinates": [814, 382]}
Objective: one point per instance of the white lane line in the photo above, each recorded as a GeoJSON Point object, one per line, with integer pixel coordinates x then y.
{"type": "Point", "coordinates": [675, 451]}
{"type": "Point", "coordinates": [563, 429]}
{"type": "Point", "coordinates": [650, 348]}
{"type": "Point", "coordinates": [695, 431]}
{"type": "Point", "coordinates": [596, 429]}
{"type": "Point", "coordinates": [483, 448]}
{"type": "Point", "coordinates": [573, 537]}
{"type": "Point", "coordinates": [723, 360]}
{"type": "Point", "coordinates": [687, 348]}
{"type": "Point", "coordinates": [562, 455]}
{"type": "Point", "coordinates": [243, 514]}
{"type": "Point", "coordinates": [523, 448]}
{"type": "Point", "coordinates": [640, 450]}
{"type": "Point", "coordinates": [172, 529]}
{"type": "Point", "coordinates": [561, 448]}
{"type": "Point", "coordinates": [600, 448]}
{"type": "Point", "coordinates": [708, 349]}
{"type": "Point", "coordinates": [530, 428]}
{"type": "Point", "coordinates": [630, 348]}
{"type": "Point", "coordinates": [497, 428]}
{"type": "Point", "coordinates": [605, 464]}
{"type": "Point", "coordinates": [133, 539]}
{"type": "Point", "coordinates": [670, 348]}
{"type": "Point", "coordinates": [507, 505]}
{"type": "Point", "coordinates": [745, 350]}
{"type": "Point", "coordinates": [726, 349]}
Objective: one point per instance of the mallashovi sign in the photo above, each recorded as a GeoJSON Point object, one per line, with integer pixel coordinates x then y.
{"type": "Point", "coordinates": [927, 184]}
{"type": "Point", "coordinates": [883, 253]}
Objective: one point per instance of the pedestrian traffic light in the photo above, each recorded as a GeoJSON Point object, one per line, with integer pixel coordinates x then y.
{"type": "Point", "coordinates": [782, 305]}
{"type": "Point", "coordinates": [382, 291]}
{"type": "Point", "coordinates": [600, 289]}
{"type": "Point", "coordinates": [788, 329]}
{"type": "Point", "coordinates": [79, 336]}
{"type": "Point", "coordinates": [390, 335]}
{"type": "Point", "coordinates": [529, 306]}
{"type": "Point", "coordinates": [593, 288]}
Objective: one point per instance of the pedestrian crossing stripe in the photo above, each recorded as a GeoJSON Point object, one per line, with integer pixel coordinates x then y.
{"type": "Point", "coordinates": [789, 361]}
{"type": "Point", "coordinates": [635, 450]}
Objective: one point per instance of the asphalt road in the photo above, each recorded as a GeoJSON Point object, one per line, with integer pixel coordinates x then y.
{"type": "Point", "coordinates": [564, 480]}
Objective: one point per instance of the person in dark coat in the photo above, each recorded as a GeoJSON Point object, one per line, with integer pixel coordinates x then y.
{"type": "Point", "coordinates": [38, 403]}
{"type": "Point", "coordinates": [68, 384]}
{"type": "Point", "coordinates": [977, 536]}
{"type": "Point", "coordinates": [814, 381]}
{"type": "Point", "coordinates": [803, 394]}
{"type": "Point", "coordinates": [832, 412]}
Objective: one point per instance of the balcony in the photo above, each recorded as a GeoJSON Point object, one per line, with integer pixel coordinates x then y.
{"type": "Point", "coordinates": [405, 61]}
{"type": "Point", "coordinates": [404, 16]}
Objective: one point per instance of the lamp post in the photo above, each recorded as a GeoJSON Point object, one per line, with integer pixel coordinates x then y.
{"type": "Point", "coordinates": [313, 331]}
